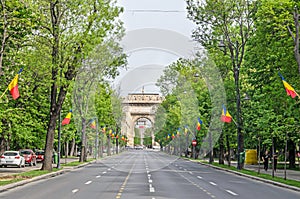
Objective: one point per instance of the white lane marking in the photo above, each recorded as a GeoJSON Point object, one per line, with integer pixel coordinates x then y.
{"type": "Point", "coordinates": [231, 192]}
{"type": "Point", "coordinates": [191, 173]}
{"type": "Point", "coordinates": [212, 183]}
{"type": "Point", "coordinates": [88, 182]}
{"type": "Point", "coordinates": [150, 181]}
{"type": "Point", "coordinates": [109, 169]}
{"type": "Point", "coordinates": [104, 172]}
{"type": "Point", "coordinates": [75, 190]}
{"type": "Point", "coordinates": [199, 177]}
{"type": "Point", "coordinates": [98, 176]}
{"type": "Point", "coordinates": [152, 189]}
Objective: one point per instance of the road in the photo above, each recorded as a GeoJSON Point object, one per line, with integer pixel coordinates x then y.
{"type": "Point", "coordinates": [142, 174]}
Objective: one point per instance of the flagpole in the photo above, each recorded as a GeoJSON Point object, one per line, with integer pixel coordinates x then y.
{"type": "Point", "coordinates": [4, 92]}
{"type": "Point", "coordinates": [234, 121]}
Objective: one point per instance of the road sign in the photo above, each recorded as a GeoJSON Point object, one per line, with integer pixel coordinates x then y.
{"type": "Point", "coordinates": [194, 142]}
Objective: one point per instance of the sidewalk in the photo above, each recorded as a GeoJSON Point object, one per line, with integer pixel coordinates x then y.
{"type": "Point", "coordinates": [290, 174]}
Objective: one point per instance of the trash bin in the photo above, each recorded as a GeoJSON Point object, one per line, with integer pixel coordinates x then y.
{"type": "Point", "coordinates": [242, 157]}
{"type": "Point", "coordinates": [55, 158]}
{"type": "Point", "coordinates": [251, 156]}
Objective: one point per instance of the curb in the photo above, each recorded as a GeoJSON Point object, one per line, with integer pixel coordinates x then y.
{"type": "Point", "coordinates": [45, 176]}
{"type": "Point", "coordinates": [252, 177]}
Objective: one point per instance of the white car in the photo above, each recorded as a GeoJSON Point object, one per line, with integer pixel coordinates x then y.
{"type": "Point", "coordinates": [12, 158]}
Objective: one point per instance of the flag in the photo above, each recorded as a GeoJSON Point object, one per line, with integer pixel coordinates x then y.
{"type": "Point", "coordinates": [178, 132]}
{"type": "Point", "coordinates": [93, 124]}
{"type": "Point", "coordinates": [288, 88]}
{"type": "Point", "coordinates": [186, 130]}
{"type": "Point", "coordinates": [104, 129]}
{"type": "Point", "coordinates": [67, 119]}
{"type": "Point", "coordinates": [199, 123]}
{"type": "Point", "coordinates": [225, 117]}
{"type": "Point", "coordinates": [13, 88]}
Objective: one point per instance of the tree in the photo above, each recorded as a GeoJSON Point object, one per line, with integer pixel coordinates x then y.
{"type": "Point", "coordinates": [17, 22]}
{"type": "Point", "coordinates": [231, 22]}
{"type": "Point", "coordinates": [68, 32]}
{"type": "Point", "coordinates": [271, 49]}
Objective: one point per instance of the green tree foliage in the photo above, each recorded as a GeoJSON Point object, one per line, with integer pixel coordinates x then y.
{"type": "Point", "coordinates": [271, 113]}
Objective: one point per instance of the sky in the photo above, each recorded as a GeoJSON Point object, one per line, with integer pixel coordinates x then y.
{"type": "Point", "coordinates": [157, 34]}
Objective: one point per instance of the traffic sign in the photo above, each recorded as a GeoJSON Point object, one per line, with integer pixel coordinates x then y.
{"type": "Point", "coordinates": [194, 142]}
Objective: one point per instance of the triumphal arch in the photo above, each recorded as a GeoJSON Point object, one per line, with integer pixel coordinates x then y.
{"type": "Point", "coordinates": [135, 107]}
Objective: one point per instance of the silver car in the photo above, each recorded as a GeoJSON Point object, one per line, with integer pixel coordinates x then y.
{"type": "Point", "coordinates": [12, 158]}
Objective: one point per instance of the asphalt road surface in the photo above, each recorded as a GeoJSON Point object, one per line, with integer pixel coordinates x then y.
{"type": "Point", "coordinates": [141, 174]}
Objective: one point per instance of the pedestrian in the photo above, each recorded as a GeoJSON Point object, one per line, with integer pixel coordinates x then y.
{"type": "Point", "coordinates": [265, 159]}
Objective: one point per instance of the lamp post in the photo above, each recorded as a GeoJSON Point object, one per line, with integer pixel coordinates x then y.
{"type": "Point", "coordinates": [236, 63]}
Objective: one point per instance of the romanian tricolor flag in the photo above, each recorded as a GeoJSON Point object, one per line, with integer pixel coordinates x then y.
{"type": "Point", "coordinates": [178, 132]}
{"type": "Point", "coordinates": [288, 88]}
{"type": "Point", "coordinates": [67, 119]}
{"type": "Point", "coordinates": [199, 123]}
{"type": "Point", "coordinates": [93, 124]}
{"type": "Point", "coordinates": [225, 117]}
{"type": "Point", "coordinates": [13, 88]}
{"type": "Point", "coordinates": [186, 130]}
{"type": "Point", "coordinates": [173, 136]}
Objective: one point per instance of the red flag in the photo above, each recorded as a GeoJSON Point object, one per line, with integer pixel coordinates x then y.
{"type": "Point", "coordinates": [225, 117]}
{"type": "Point", "coordinates": [199, 123]}
{"type": "Point", "coordinates": [13, 88]}
{"type": "Point", "coordinates": [67, 119]}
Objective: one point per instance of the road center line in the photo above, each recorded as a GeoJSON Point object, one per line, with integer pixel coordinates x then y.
{"type": "Point", "coordinates": [119, 194]}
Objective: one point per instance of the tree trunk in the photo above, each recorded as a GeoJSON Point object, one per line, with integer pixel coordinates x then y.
{"type": "Point", "coordinates": [221, 142]}
{"type": "Point", "coordinates": [72, 147]}
{"type": "Point", "coordinates": [47, 164]}
{"type": "Point", "coordinates": [108, 146]}
{"type": "Point", "coordinates": [83, 142]}
{"type": "Point", "coordinates": [292, 157]}
{"type": "Point", "coordinates": [67, 149]}
{"type": "Point", "coordinates": [228, 150]}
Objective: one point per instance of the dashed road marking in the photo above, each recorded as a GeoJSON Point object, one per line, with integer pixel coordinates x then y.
{"type": "Point", "coordinates": [231, 192]}
{"type": "Point", "coordinates": [98, 176]}
{"type": "Point", "coordinates": [199, 177]}
{"type": "Point", "coordinates": [104, 172]}
{"type": "Point", "coordinates": [212, 183]}
{"type": "Point", "coordinates": [88, 182]}
{"type": "Point", "coordinates": [75, 190]}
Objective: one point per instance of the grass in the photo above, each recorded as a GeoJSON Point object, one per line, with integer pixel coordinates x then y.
{"type": "Point", "coordinates": [76, 163]}
{"type": "Point", "coordinates": [22, 176]}
{"type": "Point", "coordinates": [261, 175]}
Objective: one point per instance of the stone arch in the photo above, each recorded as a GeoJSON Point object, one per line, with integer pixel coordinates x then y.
{"type": "Point", "coordinates": [136, 106]}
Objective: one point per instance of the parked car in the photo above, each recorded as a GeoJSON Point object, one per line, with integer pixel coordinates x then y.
{"type": "Point", "coordinates": [40, 155]}
{"type": "Point", "coordinates": [12, 158]}
{"type": "Point", "coordinates": [29, 155]}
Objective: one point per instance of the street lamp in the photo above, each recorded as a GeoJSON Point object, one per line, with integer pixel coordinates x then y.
{"type": "Point", "coordinates": [236, 63]}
